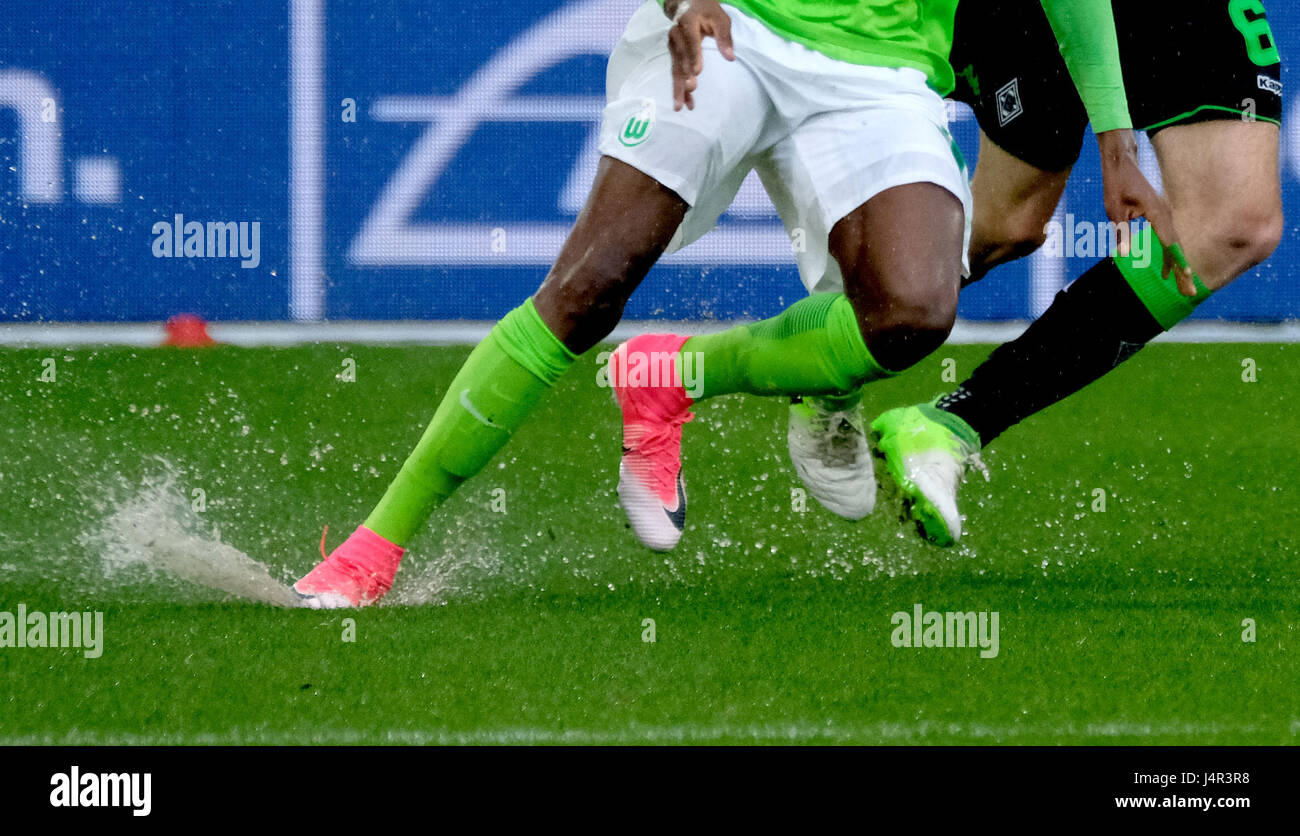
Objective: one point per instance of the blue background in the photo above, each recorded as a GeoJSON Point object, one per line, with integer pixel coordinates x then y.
{"type": "Point", "coordinates": [192, 99]}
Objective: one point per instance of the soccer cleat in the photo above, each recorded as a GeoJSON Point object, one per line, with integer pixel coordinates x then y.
{"type": "Point", "coordinates": [356, 574]}
{"type": "Point", "coordinates": [831, 455]}
{"type": "Point", "coordinates": [648, 388]}
{"type": "Point", "coordinates": [928, 459]}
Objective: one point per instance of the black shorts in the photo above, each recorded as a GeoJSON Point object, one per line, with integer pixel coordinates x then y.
{"type": "Point", "coordinates": [1183, 61]}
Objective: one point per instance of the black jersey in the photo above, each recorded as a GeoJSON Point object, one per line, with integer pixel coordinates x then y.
{"type": "Point", "coordinates": [1183, 61]}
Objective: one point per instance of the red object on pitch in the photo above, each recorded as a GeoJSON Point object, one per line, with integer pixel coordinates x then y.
{"type": "Point", "coordinates": [188, 331]}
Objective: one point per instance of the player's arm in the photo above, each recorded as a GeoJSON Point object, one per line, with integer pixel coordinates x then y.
{"type": "Point", "coordinates": [1085, 30]}
{"type": "Point", "coordinates": [693, 21]}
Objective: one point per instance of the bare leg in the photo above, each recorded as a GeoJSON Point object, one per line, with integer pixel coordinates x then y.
{"type": "Point", "coordinates": [1223, 181]}
{"type": "Point", "coordinates": [626, 224]}
{"type": "Point", "coordinates": [1013, 203]}
{"type": "Point", "coordinates": [900, 254]}
{"type": "Point", "coordinates": [628, 221]}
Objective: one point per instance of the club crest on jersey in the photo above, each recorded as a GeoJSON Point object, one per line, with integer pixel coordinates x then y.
{"type": "Point", "coordinates": [1009, 104]}
{"type": "Point", "coordinates": [637, 127]}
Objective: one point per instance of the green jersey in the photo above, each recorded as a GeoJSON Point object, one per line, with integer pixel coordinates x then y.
{"type": "Point", "coordinates": [881, 33]}
{"type": "Point", "coordinates": [918, 34]}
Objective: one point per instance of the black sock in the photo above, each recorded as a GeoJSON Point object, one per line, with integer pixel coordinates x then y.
{"type": "Point", "coordinates": [1090, 328]}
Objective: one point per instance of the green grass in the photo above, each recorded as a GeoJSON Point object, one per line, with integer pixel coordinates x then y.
{"type": "Point", "coordinates": [1122, 626]}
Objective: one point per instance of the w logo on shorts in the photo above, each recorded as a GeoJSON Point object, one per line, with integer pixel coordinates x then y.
{"type": "Point", "coordinates": [637, 128]}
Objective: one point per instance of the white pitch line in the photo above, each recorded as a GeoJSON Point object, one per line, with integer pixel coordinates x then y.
{"type": "Point", "coordinates": [661, 734]}
{"type": "Point", "coordinates": [469, 332]}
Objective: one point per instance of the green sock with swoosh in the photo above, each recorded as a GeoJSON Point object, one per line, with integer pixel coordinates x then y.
{"type": "Point", "coordinates": [493, 393]}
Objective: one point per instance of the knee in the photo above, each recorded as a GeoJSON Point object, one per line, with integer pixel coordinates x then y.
{"type": "Point", "coordinates": [1000, 238]}
{"type": "Point", "coordinates": [1245, 237]}
{"type": "Point", "coordinates": [909, 325]}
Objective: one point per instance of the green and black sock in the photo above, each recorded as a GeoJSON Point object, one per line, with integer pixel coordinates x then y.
{"type": "Point", "coordinates": [1100, 321]}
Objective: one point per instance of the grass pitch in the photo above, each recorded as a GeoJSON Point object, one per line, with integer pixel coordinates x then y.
{"type": "Point", "coordinates": [521, 611]}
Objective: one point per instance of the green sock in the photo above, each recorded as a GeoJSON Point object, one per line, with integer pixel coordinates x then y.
{"type": "Point", "coordinates": [814, 347]}
{"type": "Point", "coordinates": [497, 388]}
{"type": "Point", "coordinates": [1160, 295]}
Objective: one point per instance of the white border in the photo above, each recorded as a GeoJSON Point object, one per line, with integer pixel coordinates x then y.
{"type": "Point", "coordinates": [661, 734]}
{"type": "Point", "coordinates": [467, 332]}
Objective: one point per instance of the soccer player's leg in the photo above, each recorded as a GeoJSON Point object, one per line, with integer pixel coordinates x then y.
{"type": "Point", "coordinates": [659, 170]}
{"type": "Point", "coordinates": [1038, 117]}
{"type": "Point", "coordinates": [827, 435]}
{"type": "Point", "coordinates": [1223, 181]}
{"type": "Point", "coordinates": [908, 298]}
{"type": "Point", "coordinates": [628, 220]}
{"type": "Point", "coordinates": [1014, 201]}
{"type": "Point", "coordinates": [928, 452]}
{"type": "Point", "coordinates": [1032, 124]}
{"type": "Point", "coordinates": [901, 258]}
{"type": "Point", "coordinates": [1220, 170]}
{"type": "Point", "coordinates": [730, 126]}
{"type": "Point", "coordinates": [882, 201]}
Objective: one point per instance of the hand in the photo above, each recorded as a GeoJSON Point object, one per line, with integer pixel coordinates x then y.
{"type": "Point", "coordinates": [1130, 196]}
{"type": "Point", "coordinates": [693, 21]}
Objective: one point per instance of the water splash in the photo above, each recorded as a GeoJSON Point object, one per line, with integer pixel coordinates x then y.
{"type": "Point", "coordinates": [445, 578]}
{"type": "Point", "coordinates": [157, 530]}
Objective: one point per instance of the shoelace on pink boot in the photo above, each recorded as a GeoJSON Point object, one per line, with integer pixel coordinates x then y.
{"type": "Point", "coordinates": [361, 569]}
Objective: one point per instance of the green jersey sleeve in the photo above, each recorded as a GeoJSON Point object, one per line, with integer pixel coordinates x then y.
{"type": "Point", "coordinates": [1085, 30]}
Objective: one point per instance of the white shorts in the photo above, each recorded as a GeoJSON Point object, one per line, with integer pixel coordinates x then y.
{"type": "Point", "coordinates": [824, 135]}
